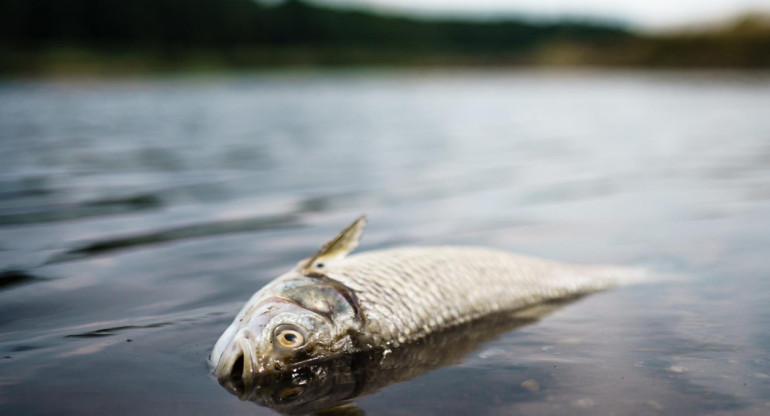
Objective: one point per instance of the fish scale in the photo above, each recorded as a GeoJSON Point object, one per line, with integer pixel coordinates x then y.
{"type": "Point", "coordinates": [414, 290]}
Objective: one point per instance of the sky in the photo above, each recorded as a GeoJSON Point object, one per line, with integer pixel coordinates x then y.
{"type": "Point", "coordinates": [650, 14]}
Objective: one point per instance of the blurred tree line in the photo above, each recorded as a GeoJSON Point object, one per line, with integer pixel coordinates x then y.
{"type": "Point", "coordinates": [179, 24]}
{"type": "Point", "coordinates": [33, 33]}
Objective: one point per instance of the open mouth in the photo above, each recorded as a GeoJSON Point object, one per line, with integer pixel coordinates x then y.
{"type": "Point", "coordinates": [237, 371]}
{"type": "Point", "coordinates": [234, 377]}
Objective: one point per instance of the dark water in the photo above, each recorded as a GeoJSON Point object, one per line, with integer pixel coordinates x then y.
{"type": "Point", "coordinates": [138, 215]}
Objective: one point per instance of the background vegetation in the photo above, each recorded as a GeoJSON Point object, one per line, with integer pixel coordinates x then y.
{"type": "Point", "coordinates": [38, 36]}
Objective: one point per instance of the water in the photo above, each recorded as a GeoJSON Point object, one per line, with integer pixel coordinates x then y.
{"type": "Point", "coordinates": [139, 214]}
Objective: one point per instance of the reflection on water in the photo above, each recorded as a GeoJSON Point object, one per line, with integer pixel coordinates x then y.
{"type": "Point", "coordinates": [338, 381]}
{"type": "Point", "coordinates": [138, 215]}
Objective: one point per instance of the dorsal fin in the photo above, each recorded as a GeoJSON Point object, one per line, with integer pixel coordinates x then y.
{"type": "Point", "coordinates": [336, 248]}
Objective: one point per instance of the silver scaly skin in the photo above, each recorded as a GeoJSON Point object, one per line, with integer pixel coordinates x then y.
{"type": "Point", "coordinates": [332, 304]}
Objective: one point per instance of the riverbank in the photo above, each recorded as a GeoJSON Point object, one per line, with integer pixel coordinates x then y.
{"type": "Point", "coordinates": [208, 36]}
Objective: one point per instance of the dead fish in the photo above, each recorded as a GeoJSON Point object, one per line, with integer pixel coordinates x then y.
{"type": "Point", "coordinates": [332, 303]}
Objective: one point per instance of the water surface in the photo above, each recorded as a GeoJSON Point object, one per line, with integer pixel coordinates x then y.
{"type": "Point", "coordinates": [138, 215]}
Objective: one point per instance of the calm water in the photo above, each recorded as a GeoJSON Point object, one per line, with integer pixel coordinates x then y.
{"type": "Point", "coordinates": [138, 215]}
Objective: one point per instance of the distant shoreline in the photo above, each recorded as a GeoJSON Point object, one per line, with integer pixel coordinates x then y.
{"type": "Point", "coordinates": [78, 37]}
{"type": "Point", "coordinates": [662, 54]}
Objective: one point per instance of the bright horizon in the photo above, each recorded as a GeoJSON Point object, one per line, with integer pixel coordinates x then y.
{"type": "Point", "coordinates": [650, 14]}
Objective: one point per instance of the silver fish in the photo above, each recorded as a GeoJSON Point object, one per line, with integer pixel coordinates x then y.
{"type": "Point", "coordinates": [332, 303]}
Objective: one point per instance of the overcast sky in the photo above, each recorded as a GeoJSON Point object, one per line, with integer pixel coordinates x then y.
{"type": "Point", "coordinates": [645, 13]}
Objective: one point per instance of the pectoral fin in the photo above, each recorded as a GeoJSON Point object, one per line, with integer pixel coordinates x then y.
{"type": "Point", "coordinates": [336, 249]}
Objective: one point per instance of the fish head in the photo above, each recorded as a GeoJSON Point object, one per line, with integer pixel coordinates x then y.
{"type": "Point", "coordinates": [293, 320]}
{"type": "Point", "coordinates": [300, 316]}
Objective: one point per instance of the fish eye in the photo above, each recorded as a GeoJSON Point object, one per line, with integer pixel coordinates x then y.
{"type": "Point", "coordinates": [289, 336]}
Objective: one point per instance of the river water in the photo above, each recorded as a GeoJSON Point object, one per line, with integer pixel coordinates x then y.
{"type": "Point", "coordinates": [137, 215]}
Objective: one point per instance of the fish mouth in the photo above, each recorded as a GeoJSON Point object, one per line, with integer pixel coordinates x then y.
{"type": "Point", "coordinates": [237, 372]}
{"type": "Point", "coordinates": [247, 359]}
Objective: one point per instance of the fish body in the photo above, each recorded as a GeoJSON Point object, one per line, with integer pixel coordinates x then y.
{"type": "Point", "coordinates": [405, 293]}
{"type": "Point", "coordinates": [332, 303]}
